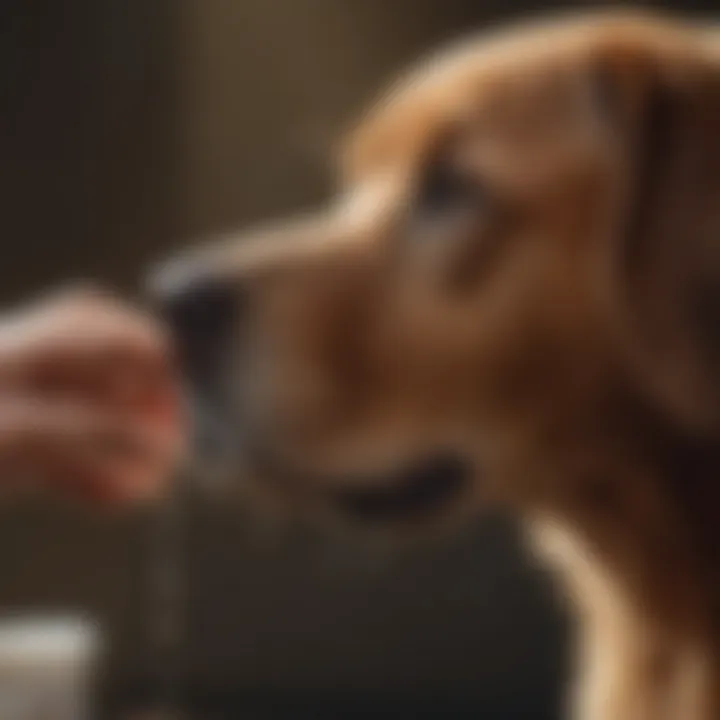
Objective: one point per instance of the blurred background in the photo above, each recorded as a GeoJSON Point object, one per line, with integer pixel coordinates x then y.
{"type": "Point", "coordinates": [128, 128]}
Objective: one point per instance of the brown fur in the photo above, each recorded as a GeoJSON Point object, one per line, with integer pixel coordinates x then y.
{"type": "Point", "coordinates": [565, 334]}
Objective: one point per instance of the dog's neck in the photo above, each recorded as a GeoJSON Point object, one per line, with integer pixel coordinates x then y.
{"type": "Point", "coordinates": [643, 568]}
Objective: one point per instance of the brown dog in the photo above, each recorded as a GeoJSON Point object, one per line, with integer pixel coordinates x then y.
{"type": "Point", "coordinates": [516, 294]}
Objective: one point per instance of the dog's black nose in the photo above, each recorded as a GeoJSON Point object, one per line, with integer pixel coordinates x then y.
{"type": "Point", "coordinates": [203, 314]}
{"type": "Point", "coordinates": [200, 309]}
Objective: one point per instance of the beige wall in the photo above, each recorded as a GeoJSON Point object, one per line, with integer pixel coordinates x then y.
{"type": "Point", "coordinates": [270, 86]}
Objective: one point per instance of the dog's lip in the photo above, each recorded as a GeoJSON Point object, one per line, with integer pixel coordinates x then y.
{"type": "Point", "coordinates": [415, 491]}
{"type": "Point", "coordinates": [418, 490]}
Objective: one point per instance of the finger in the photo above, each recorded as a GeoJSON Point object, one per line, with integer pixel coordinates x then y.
{"type": "Point", "coordinates": [147, 387]}
{"type": "Point", "coordinates": [115, 474]}
{"type": "Point", "coordinates": [68, 446]}
{"type": "Point", "coordinates": [80, 331]}
{"type": "Point", "coordinates": [119, 384]}
{"type": "Point", "coordinates": [118, 481]}
{"type": "Point", "coordinates": [148, 395]}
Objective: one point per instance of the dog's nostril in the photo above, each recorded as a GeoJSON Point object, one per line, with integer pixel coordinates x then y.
{"type": "Point", "coordinates": [200, 309]}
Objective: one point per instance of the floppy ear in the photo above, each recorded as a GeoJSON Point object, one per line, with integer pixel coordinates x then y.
{"type": "Point", "coordinates": [665, 260]}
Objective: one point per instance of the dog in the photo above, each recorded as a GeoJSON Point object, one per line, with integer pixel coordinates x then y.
{"type": "Point", "coordinates": [513, 298]}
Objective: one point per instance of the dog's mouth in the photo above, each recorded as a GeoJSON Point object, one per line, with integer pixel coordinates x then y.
{"type": "Point", "coordinates": [416, 491]}
{"type": "Point", "coordinates": [420, 490]}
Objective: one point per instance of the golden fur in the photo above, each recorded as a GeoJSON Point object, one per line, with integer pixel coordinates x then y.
{"type": "Point", "coordinates": [563, 332]}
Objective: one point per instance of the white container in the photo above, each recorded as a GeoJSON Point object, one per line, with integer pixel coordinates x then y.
{"type": "Point", "coordinates": [47, 665]}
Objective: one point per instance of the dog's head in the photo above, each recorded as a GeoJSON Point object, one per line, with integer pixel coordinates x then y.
{"type": "Point", "coordinates": [524, 247]}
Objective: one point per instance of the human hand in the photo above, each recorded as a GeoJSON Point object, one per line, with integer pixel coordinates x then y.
{"type": "Point", "coordinates": [89, 401]}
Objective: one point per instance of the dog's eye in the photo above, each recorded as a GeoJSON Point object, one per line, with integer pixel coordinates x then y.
{"type": "Point", "coordinates": [448, 204]}
{"type": "Point", "coordinates": [453, 226]}
{"type": "Point", "coordinates": [446, 189]}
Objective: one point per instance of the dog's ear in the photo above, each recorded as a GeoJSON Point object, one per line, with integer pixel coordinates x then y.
{"type": "Point", "coordinates": [665, 252]}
